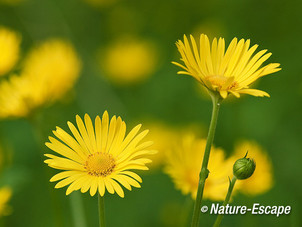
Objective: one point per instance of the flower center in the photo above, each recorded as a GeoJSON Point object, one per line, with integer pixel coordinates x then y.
{"type": "Point", "coordinates": [99, 164]}
{"type": "Point", "coordinates": [219, 81]}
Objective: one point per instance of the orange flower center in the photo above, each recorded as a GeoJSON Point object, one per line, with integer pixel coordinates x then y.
{"type": "Point", "coordinates": [100, 164]}
{"type": "Point", "coordinates": [219, 81]}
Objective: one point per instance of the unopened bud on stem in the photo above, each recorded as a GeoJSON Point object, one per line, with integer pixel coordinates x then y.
{"type": "Point", "coordinates": [243, 168]}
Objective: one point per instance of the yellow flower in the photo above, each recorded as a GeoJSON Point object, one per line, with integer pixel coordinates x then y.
{"type": "Point", "coordinates": [129, 61]}
{"type": "Point", "coordinates": [226, 72]}
{"type": "Point", "coordinates": [49, 72]}
{"type": "Point", "coordinates": [9, 50]}
{"type": "Point", "coordinates": [5, 195]}
{"type": "Point", "coordinates": [184, 163]}
{"type": "Point", "coordinates": [56, 64]}
{"type": "Point", "coordinates": [166, 138]}
{"type": "Point", "coordinates": [98, 157]}
{"type": "Point", "coordinates": [262, 179]}
{"type": "Point", "coordinates": [162, 135]}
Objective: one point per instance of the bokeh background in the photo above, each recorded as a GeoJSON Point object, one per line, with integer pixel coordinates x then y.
{"type": "Point", "coordinates": [125, 49]}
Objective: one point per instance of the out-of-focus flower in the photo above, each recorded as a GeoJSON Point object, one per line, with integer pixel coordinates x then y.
{"type": "Point", "coordinates": [48, 73]}
{"type": "Point", "coordinates": [5, 195]}
{"type": "Point", "coordinates": [262, 179]}
{"type": "Point", "coordinates": [56, 63]}
{"type": "Point", "coordinates": [9, 49]}
{"type": "Point", "coordinates": [129, 61]}
{"type": "Point", "coordinates": [224, 72]}
{"type": "Point", "coordinates": [165, 138]}
{"type": "Point", "coordinates": [99, 156]}
{"type": "Point", "coordinates": [184, 164]}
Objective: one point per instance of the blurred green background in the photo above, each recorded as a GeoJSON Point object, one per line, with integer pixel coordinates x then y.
{"type": "Point", "coordinates": [274, 122]}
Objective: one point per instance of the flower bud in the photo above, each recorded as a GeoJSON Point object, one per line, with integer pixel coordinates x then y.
{"type": "Point", "coordinates": [243, 168]}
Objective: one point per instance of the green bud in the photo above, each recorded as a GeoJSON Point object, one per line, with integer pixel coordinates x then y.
{"type": "Point", "coordinates": [243, 168]}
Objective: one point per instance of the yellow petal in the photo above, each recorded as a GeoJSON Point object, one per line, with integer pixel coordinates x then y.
{"type": "Point", "coordinates": [90, 132]}
{"type": "Point", "coordinates": [104, 131]}
{"type": "Point", "coordinates": [117, 188]}
{"type": "Point", "coordinates": [108, 186]}
{"type": "Point", "coordinates": [101, 187]}
{"type": "Point", "coordinates": [254, 92]}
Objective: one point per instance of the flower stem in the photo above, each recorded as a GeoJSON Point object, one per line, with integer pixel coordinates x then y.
{"type": "Point", "coordinates": [204, 172]}
{"type": "Point", "coordinates": [101, 211]}
{"type": "Point", "coordinates": [77, 209]}
{"type": "Point", "coordinates": [226, 201]}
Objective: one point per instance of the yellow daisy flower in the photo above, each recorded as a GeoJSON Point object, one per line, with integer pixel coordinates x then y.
{"type": "Point", "coordinates": [226, 72]}
{"type": "Point", "coordinates": [262, 179]}
{"type": "Point", "coordinates": [98, 157]}
{"type": "Point", "coordinates": [184, 163]}
{"type": "Point", "coordinates": [49, 71]}
{"type": "Point", "coordinates": [9, 49]}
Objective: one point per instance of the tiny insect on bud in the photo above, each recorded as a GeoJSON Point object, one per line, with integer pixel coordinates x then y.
{"type": "Point", "coordinates": [243, 168]}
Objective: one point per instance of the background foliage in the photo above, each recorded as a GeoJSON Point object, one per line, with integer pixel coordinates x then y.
{"type": "Point", "coordinates": [273, 122]}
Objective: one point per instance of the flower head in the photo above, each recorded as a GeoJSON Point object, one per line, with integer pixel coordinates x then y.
{"type": "Point", "coordinates": [48, 73]}
{"type": "Point", "coordinates": [9, 50]}
{"type": "Point", "coordinates": [226, 72]}
{"type": "Point", "coordinates": [184, 163]}
{"type": "Point", "coordinates": [98, 157]}
{"type": "Point", "coordinates": [55, 65]}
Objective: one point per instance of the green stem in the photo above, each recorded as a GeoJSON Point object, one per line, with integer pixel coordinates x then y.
{"type": "Point", "coordinates": [226, 201]}
{"type": "Point", "coordinates": [77, 209]}
{"type": "Point", "coordinates": [101, 211]}
{"type": "Point", "coordinates": [204, 172]}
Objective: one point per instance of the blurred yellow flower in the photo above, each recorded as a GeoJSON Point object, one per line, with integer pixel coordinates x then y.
{"type": "Point", "coordinates": [262, 179]}
{"type": "Point", "coordinates": [48, 73]}
{"type": "Point", "coordinates": [163, 136]}
{"type": "Point", "coordinates": [99, 156]}
{"type": "Point", "coordinates": [55, 63]}
{"type": "Point", "coordinates": [129, 61]}
{"type": "Point", "coordinates": [184, 163]}
{"type": "Point", "coordinates": [166, 137]}
{"type": "Point", "coordinates": [5, 195]}
{"type": "Point", "coordinates": [9, 49]}
{"type": "Point", "coordinates": [226, 72]}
